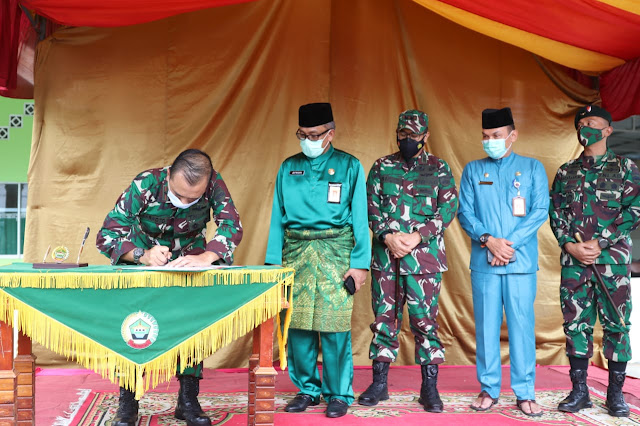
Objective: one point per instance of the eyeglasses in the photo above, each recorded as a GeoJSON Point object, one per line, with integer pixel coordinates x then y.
{"type": "Point", "coordinates": [403, 134]}
{"type": "Point", "coordinates": [302, 135]}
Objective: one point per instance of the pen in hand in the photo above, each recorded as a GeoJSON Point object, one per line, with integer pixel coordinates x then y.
{"type": "Point", "coordinates": [166, 254]}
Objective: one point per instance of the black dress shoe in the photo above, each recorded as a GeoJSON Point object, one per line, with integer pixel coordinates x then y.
{"type": "Point", "coordinates": [300, 403]}
{"type": "Point", "coordinates": [337, 408]}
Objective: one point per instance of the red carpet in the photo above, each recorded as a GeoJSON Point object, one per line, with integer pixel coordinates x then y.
{"type": "Point", "coordinates": [82, 398]}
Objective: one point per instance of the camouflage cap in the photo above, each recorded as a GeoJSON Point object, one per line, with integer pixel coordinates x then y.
{"type": "Point", "coordinates": [414, 120]}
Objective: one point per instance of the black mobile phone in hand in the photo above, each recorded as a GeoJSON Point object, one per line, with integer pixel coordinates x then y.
{"type": "Point", "coordinates": [350, 285]}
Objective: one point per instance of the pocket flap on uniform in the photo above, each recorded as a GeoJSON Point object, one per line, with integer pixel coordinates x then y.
{"type": "Point", "coordinates": [423, 206]}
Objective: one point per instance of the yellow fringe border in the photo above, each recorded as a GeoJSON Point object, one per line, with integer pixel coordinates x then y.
{"type": "Point", "coordinates": [65, 341]}
{"type": "Point", "coordinates": [120, 279]}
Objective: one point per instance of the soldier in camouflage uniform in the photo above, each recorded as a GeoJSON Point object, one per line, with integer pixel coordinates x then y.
{"type": "Point", "coordinates": [598, 197]}
{"type": "Point", "coordinates": [503, 202]}
{"type": "Point", "coordinates": [162, 218]}
{"type": "Point", "coordinates": [412, 198]}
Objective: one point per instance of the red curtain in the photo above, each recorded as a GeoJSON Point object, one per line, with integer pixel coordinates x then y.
{"type": "Point", "coordinates": [620, 90]}
{"type": "Point", "coordinates": [10, 19]}
{"type": "Point", "coordinates": [589, 24]}
{"type": "Point", "coordinates": [116, 13]}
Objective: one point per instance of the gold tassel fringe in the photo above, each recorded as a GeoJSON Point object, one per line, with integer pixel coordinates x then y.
{"type": "Point", "coordinates": [283, 335]}
{"type": "Point", "coordinates": [121, 278]}
{"type": "Point", "coordinates": [65, 341]}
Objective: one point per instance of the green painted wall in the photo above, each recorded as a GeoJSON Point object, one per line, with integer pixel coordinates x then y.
{"type": "Point", "coordinates": [15, 138]}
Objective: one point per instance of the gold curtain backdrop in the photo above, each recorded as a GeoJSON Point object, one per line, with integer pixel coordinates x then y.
{"type": "Point", "coordinates": [113, 102]}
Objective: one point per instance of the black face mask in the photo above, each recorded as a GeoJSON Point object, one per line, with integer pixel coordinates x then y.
{"type": "Point", "coordinates": [409, 147]}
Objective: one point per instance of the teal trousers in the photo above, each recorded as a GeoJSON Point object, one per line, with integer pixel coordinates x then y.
{"type": "Point", "coordinates": [516, 294]}
{"type": "Point", "coordinates": [337, 364]}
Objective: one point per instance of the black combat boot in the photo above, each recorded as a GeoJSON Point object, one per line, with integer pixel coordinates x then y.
{"type": "Point", "coordinates": [377, 391]}
{"type": "Point", "coordinates": [429, 396]}
{"type": "Point", "coordinates": [579, 396]}
{"type": "Point", "coordinates": [188, 407]}
{"type": "Point", "coordinates": [127, 414]}
{"type": "Point", "coordinates": [615, 399]}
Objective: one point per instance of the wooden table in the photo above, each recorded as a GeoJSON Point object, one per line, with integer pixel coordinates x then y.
{"type": "Point", "coordinates": [17, 377]}
{"type": "Point", "coordinates": [18, 390]}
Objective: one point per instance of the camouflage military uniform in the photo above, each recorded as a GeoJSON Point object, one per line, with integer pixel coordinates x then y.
{"type": "Point", "coordinates": [597, 198]}
{"type": "Point", "coordinates": [418, 195]}
{"type": "Point", "coordinates": [144, 216]}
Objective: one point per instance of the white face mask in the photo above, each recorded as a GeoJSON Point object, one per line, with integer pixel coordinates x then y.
{"type": "Point", "coordinates": [176, 201]}
{"type": "Point", "coordinates": [313, 149]}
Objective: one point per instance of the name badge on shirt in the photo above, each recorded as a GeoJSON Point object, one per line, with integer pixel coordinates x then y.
{"type": "Point", "coordinates": [335, 190]}
{"type": "Point", "coordinates": [519, 206]}
{"type": "Point", "coordinates": [518, 203]}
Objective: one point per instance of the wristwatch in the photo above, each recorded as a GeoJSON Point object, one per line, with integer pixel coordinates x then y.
{"type": "Point", "coordinates": [384, 235]}
{"type": "Point", "coordinates": [137, 254]}
{"type": "Point", "coordinates": [603, 243]}
{"type": "Point", "coordinates": [484, 238]}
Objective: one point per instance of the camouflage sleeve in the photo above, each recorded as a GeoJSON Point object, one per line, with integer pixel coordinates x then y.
{"type": "Point", "coordinates": [378, 222]}
{"type": "Point", "coordinates": [446, 208]}
{"type": "Point", "coordinates": [114, 238]}
{"type": "Point", "coordinates": [467, 213]}
{"type": "Point", "coordinates": [226, 217]}
{"type": "Point", "coordinates": [539, 208]}
{"type": "Point", "coordinates": [557, 218]}
{"type": "Point", "coordinates": [629, 217]}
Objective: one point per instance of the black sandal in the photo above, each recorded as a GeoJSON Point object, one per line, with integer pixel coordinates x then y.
{"type": "Point", "coordinates": [483, 395]}
{"type": "Point", "coordinates": [531, 414]}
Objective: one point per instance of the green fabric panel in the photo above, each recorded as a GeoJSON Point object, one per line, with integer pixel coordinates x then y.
{"type": "Point", "coordinates": [20, 267]}
{"type": "Point", "coordinates": [180, 312]}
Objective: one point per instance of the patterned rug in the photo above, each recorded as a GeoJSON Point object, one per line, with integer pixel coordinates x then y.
{"type": "Point", "coordinates": [98, 408]}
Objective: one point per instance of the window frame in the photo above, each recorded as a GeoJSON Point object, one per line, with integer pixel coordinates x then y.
{"type": "Point", "coordinates": [20, 253]}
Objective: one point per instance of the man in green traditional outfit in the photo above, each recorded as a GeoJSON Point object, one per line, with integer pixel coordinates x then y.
{"type": "Point", "coordinates": [161, 218]}
{"type": "Point", "coordinates": [319, 227]}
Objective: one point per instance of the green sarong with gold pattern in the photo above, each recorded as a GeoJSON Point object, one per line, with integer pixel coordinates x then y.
{"type": "Point", "coordinates": [320, 258]}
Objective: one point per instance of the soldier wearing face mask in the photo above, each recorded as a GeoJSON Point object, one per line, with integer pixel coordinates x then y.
{"type": "Point", "coordinates": [161, 218]}
{"type": "Point", "coordinates": [412, 199]}
{"type": "Point", "coordinates": [503, 202]}
{"type": "Point", "coordinates": [319, 228]}
{"type": "Point", "coordinates": [598, 197]}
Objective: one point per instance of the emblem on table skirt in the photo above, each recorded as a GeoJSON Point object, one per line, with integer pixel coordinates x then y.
{"type": "Point", "coordinates": [139, 330]}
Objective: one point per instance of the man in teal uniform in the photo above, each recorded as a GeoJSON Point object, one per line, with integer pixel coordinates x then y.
{"type": "Point", "coordinates": [596, 196]}
{"type": "Point", "coordinates": [412, 199]}
{"type": "Point", "coordinates": [503, 201]}
{"type": "Point", "coordinates": [319, 227]}
{"type": "Point", "coordinates": [162, 218]}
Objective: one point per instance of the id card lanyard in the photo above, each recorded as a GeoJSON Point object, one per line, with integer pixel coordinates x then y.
{"type": "Point", "coordinates": [518, 203]}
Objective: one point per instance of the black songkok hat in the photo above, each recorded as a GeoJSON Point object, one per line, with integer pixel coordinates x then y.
{"type": "Point", "coordinates": [591, 111]}
{"type": "Point", "coordinates": [312, 115]}
{"type": "Point", "coordinates": [494, 118]}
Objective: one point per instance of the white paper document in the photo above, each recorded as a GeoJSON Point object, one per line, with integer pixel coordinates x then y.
{"type": "Point", "coordinates": [179, 268]}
